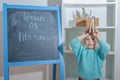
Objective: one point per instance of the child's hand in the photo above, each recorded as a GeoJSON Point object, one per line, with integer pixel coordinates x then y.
{"type": "Point", "coordinates": [83, 36]}
{"type": "Point", "coordinates": [86, 30]}
{"type": "Point", "coordinates": [97, 34]}
{"type": "Point", "coordinates": [89, 30]}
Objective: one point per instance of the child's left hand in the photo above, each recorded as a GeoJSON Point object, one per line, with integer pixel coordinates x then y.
{"type": "Point", "coordinates": [97, 34]}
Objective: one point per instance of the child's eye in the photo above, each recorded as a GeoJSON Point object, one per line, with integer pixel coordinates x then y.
{"type": "Point", "coordinates": [87, 39]}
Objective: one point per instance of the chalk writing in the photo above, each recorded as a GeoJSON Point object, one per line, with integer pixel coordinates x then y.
{"type": "Point", "coordinates": [24, 36]}
{"type": "Point", "coordinates": [33, 19]}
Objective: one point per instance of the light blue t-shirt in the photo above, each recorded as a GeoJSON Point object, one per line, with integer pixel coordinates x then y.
{"type": "Point", "coordinates": [90, 61]}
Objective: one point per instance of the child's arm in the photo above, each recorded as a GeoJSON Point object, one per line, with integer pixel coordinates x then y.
{"type": "Point", "coordinates": [104, 46]}
{"type": "Point", "coordinates": [104, 49]}
{"type": "Point", "coordinates": [76, 44]}
{"type": "Point", "coordinates": [83, 36]}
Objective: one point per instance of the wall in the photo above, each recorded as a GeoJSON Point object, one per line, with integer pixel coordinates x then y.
{"type": "Point", "coordinates": [55, 2]}
{"type": "Point", "coordinates": [1, 46]}
{"type": "Point", "coordinates": [41, 72]}
{"type": "Point", "coordinates": [117, 56]}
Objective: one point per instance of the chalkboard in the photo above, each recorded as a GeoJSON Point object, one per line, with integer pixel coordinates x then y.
{"type": "Point", "coordinates": [32, 35]}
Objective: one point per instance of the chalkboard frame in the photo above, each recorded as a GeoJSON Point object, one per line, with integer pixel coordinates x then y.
{"type": "Point", "coordinates": [5, 28]}
{"type": "Point", "coordinates": [28, 63]}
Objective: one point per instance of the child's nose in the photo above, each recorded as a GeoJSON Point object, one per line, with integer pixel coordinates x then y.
{"type": "Point", "coordinates": [91, 40]}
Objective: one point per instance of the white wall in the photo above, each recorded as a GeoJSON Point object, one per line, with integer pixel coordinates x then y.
{"type": "Point", "coordinates": [117, 56]}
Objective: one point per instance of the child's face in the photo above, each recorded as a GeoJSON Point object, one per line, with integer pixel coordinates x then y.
{"type": "Point", "coordinates": [90, 42]}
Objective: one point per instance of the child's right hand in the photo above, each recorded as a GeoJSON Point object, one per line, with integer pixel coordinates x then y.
{"type": "Point", "coordinates": [84, 35]}
{"type": "Point", "coordinates": [86, 30]}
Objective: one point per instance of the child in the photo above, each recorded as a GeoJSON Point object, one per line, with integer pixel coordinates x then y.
{"type": "Point", "coordinates": [90, 57]}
